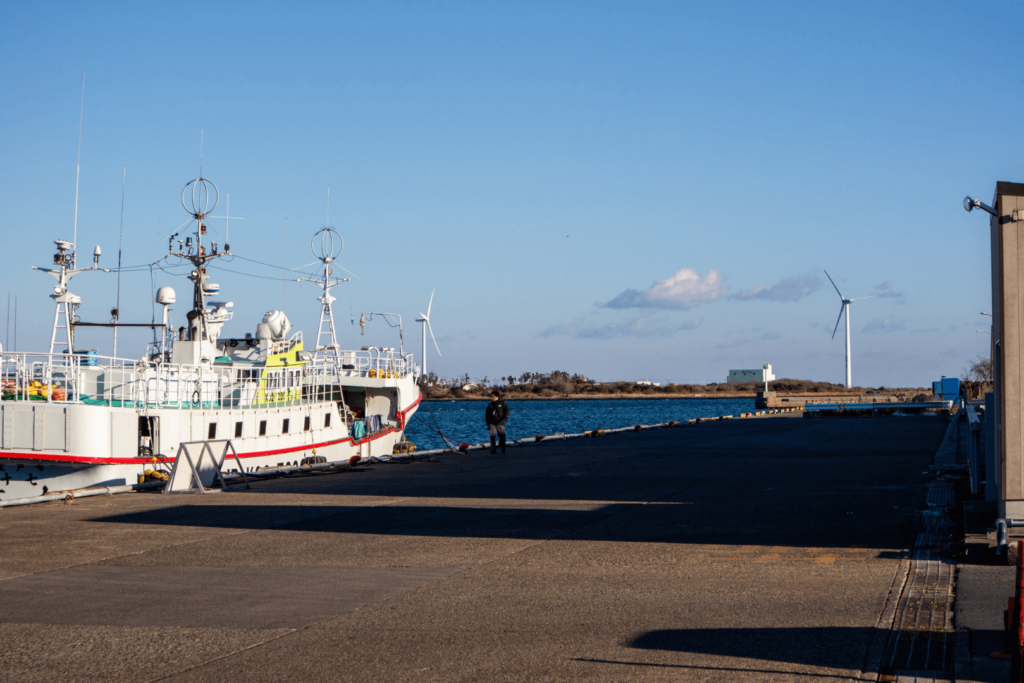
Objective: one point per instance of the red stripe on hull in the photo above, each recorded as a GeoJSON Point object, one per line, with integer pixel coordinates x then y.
{"type": "Point", "coordinates": [82, 460]}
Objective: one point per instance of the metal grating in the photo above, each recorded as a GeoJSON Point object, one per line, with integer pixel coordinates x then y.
{"type": "Point", "coordinates": [941, 493]}
{"type": "Point", "coordinates": [920, 646]}
{"type": "Point", "coordinates": [946, 456]}
{"type": "Point", "coordinates": [922, 676]}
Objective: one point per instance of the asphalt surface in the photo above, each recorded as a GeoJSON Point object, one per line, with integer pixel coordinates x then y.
{"type": "Point", "coordinates": [750, 550]}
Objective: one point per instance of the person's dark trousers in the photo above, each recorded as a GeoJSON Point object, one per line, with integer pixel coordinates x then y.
{"type": "Point", "coordinates": [498, 431]}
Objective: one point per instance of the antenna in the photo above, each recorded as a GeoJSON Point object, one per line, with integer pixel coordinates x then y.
{"type": "Point", "coordinates": [227, 223]}
{"type": "Point", "coordinates": [200, 152]}
{"type": "Point", "coordinates": [203, 197]}
{"type": "Point", "coordinates": [116, 313]}
{"type": "Point", "coordinates": [326, 246]}
{"type": "Point", "coordinates": [152, 278]}
{"type": "Point", "coordinates": [285, 279]}
{"type": "Point", "coordinates": [328, 205]}
{"type": "Point", "coordinates": [78, 169]}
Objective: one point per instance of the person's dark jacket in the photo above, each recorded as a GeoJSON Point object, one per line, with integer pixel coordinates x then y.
{"type": "Point", "coordinates": [497, 412]}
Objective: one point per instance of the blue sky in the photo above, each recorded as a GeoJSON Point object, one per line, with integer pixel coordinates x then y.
{"type": "Point", "coordinates": [624, 190]}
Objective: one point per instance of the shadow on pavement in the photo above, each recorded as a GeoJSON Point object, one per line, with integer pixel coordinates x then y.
{"type": "Point", "coordinates": [683, 523]}
{"type": "Point", "coordinates": [828, 647]}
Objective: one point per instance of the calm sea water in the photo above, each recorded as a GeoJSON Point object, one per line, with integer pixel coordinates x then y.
{"type": "Point", "coordinates": [463, 421]}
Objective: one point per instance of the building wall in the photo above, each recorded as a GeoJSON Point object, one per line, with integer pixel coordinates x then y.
{"type": "Point", "coordinates": [1008, 328]}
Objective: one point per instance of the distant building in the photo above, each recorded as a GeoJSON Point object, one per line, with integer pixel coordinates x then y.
{"type": "Point", "coordinates": [648, 383]}
{"type": "Point", "coordinates": [947, 388]}
{"type": "Point", "coordinates": [761, 375]}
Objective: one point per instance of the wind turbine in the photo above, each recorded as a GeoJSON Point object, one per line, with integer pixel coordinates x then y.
{"type": "Point", "coordinates": [844, 307]}
{"type": "Point", "coordinates": [425, 319]}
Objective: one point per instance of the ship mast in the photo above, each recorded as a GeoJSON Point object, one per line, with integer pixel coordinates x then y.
{"type": "Point", "coordinates": [199, 198]}
{"type": "Point", "coordinates": [326, 245]}
{"type": "Point", "coordinates": [66, 301]}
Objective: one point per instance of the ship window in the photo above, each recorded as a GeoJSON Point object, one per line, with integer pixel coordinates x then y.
{"type": "Point", "coordinates": [263, 427]}
{"type": "Point", "coordinates": [212, 432]}
{"type": "Point", "coordinates": [308, 420]}
{"type": "Point", "coordinates": [238, 430]}
{"type": "Point", "coordinates": [284, 426]}
{"type": "Point", "coordinates": [327, 420]}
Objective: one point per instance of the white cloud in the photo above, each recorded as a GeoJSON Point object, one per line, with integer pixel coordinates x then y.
{"type": "Point", "coordinates": [792, 288]}
{"type": "Point", "coordinates": [882, 325]}
{"type": "Point", "coordinates": [641, 326]}
{"type": "Point", "coordinates": [685, 289]}
{"type": "Point", "coordinates": [886, 291]}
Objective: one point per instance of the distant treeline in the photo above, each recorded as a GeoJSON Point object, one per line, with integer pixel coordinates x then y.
{"type": "Point", "coordinates": [560, 384]}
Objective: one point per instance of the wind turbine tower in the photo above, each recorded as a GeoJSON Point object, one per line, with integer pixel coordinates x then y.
{"type": "Point", "coordinates": [425, 320]}
{"type": "Point", "coordinates": [844, 308]}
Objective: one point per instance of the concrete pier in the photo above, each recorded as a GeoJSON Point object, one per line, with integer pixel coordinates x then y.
{"type": "Point", "coordinates": [747, 550]}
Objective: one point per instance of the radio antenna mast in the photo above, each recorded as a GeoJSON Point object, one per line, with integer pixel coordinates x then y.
{"type": "Point", "coordinates": [326, 245]}
{"type": "Point", "coordinates": [116, 313]}
{"type": "Point", "coordinates": [78, 169]}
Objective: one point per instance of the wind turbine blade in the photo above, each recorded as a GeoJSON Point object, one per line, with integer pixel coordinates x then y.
{"type": "Point", "coordinates": [864, 297]}
{"type": "Point", "coordinates": [432, 337]}
{"type": "Point", "coordinates": [838, 319]}
{"type": "Point", "coordinates": [430, 304]}
{"type": "Point", "coordinates": [833, 284]}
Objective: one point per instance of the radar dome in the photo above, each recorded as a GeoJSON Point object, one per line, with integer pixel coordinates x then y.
{"type": "Point", "coordinates": [278, 323]}
{"type": "Point", "coordinates": [165, 296]}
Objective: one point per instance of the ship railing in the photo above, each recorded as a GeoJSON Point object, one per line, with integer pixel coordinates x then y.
{"type": "Point", "coordinates": [285, 345]}
{"type": "Point", "coordinates": [374, 363]}
{"type": "Point", "coordinates": [200, 386]}
{"type": "Point", "coordinates": [117, 382]}
{"type": "Point", "coordinates": [65, 378]}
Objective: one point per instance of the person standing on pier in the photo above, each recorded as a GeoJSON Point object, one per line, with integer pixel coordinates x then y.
{"type": "Point", "coordinates": [496, 415]}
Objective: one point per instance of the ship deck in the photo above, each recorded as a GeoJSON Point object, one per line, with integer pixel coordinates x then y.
{"type": "Point", "coordinates": [773, 549]}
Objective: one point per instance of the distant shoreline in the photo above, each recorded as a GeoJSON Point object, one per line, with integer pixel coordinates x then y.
{"type": "Point", "coordinates": [592, 397]}
{"type": "Point", "coordinates": [643, 397]}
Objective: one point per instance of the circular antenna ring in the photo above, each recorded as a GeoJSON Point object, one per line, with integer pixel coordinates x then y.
{"type": "Point", "coordinates": [327, 244]}
{"type": "Point", "coordinates": [200, 197]}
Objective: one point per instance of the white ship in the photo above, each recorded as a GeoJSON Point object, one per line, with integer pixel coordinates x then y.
{"type": "Point", "coordinates": [72, 419]}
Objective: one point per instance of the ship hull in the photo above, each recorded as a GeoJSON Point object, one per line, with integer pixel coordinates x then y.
{"type": "Point", "coordinates": [47, 448]}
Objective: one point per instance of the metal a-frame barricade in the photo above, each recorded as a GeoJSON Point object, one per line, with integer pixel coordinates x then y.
{"type": "Point", "coordinates": [188, 475]}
